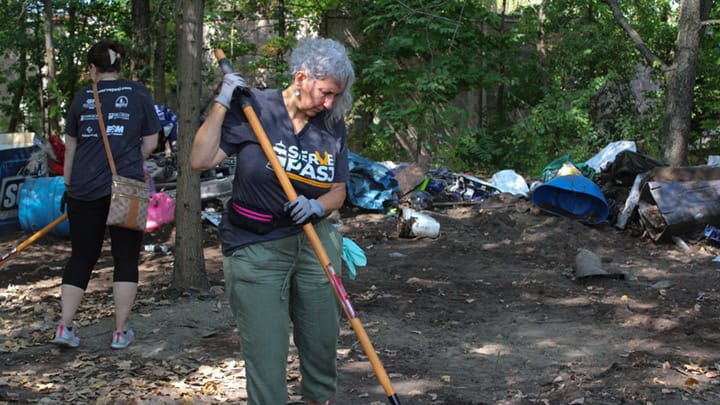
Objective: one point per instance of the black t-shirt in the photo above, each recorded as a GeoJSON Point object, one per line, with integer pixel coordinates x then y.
{"type": "Point", "coordinates": [313, 159]}
{"type": "Point", "coordinates": [129, 115]}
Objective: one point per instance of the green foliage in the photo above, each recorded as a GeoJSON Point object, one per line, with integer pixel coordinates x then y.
{"type": "Point", "coordinates": [414, 58]}
{"type": "Point", "coordinates": [21, 50]}
{"type": "Point", "coordinates": [272, 62]}
{"type": "Point", "coordinates": [265, 62]}
{"type": "Point", "coordinates": [444, 79]}
{"type": "Point", "coordinates": [570, 92]}
{"type": "Point", "coordinates": [77, 24]}
{"type": "Point", "coordinates": [555, 86]}
{"type": "Point", "coordinates": [473, 150]}
{"type": "Point", "coordinates": [705, 136]}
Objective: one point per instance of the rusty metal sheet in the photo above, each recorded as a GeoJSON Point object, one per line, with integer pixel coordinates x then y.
{"type": "Point", "coordinates": [669, 208]}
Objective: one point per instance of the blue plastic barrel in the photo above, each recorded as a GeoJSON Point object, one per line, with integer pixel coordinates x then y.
{"type": "Point", "coordinates": [40, 199]}
{"type": "Point", "coordinates": [574, 196]}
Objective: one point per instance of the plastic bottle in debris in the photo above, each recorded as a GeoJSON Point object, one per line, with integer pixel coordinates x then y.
{"type": "Point", "coordinates": [420, 224]}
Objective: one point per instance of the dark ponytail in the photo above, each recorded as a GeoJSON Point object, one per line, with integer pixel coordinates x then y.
{"type": "Point", "coordinates": [106, 55]}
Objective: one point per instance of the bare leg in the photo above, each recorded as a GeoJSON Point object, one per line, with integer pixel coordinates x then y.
{"type": "Point", "coordinates": [71, 297]}
{"type": "Point", "coordinates": [124, 296]}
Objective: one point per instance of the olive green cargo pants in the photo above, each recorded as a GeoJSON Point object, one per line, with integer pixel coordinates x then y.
{"type": "Point", "coordinates": [270, 284]}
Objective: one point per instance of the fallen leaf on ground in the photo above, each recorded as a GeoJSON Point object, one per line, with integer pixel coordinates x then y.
{"type": "Point", "coordinates": [691, 382]}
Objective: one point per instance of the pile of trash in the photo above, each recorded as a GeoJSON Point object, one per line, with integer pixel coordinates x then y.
{"type": "Point", "coordinates": [618, 186]}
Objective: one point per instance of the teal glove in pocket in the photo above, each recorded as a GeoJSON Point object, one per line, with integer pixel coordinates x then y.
{"type": "Point", "coordinates": [352, 255]}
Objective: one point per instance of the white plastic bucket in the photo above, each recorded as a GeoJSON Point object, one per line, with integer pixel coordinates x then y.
{"type": "Point", "coordinates": [420, 224]}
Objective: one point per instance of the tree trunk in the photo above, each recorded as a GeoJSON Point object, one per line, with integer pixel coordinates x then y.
{"type": "Point", "coordinates": [159, 60]}
{"type": "Point", "coordinates": [73, 71]}
{"type": "Point", "coordinates": [189, 271]}
{"type": "Point", "coordinates": [679, 75]}
{"type": "Point", "coordinates": [281, 18]}
{"type": "Point", "coordinates": [140, 39]}
{"type": "Point", "coordinates": [680, 81]}
{"type": "Point", "coordinates": [53, 123]}
{"type": "Point", "coordinates": [38, 80]}
{"type": "Point", "coordinates": [542, 41]}
{"type": "Point", "coordinates": [282, 23]}
{"type": "Point", "coordinates": [500, 91]}
{"type": "Point", "coordinates": [18, 92]}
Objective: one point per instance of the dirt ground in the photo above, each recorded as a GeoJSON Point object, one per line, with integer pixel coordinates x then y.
{"type": "Point", "coordinates": [490, 312]}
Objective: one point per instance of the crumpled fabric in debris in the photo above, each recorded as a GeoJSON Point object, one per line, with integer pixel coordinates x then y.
{"type": "Point", "coordinates": [508, 181]}
{"type": "Point", "coordinates": [551, 171]}
{"type": "Point", "coordinates": [608, 153]}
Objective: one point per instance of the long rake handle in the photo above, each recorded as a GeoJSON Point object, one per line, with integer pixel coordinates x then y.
{"type": "Point", "coordinates": [317, 245]}
{"type": "Point", "coordinates": [37, 235]}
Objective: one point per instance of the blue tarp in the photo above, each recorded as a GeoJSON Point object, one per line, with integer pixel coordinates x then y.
{"type": "Point", "coordinates": [370, 184]}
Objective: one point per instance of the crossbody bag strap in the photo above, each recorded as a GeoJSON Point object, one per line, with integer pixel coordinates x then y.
{"type": "Point", "coordinates": [101, 123]}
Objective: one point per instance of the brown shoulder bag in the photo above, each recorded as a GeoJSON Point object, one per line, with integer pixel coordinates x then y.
{"type": "Point", "coordinates": [129, 199]}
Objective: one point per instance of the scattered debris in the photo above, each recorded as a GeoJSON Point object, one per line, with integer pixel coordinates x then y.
{"type": "Point", "coordinates": [417, 224]}
{"type": "Point", "coordinates": [588, 264]}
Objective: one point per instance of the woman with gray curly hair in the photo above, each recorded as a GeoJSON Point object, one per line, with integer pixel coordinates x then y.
{"type": "Point", "coordinates": [271, 271]}
{"type": "Point", "coordinates": [322, 59]}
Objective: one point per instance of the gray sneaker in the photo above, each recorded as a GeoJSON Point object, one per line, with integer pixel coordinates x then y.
{"type": "Point", "coordinates": [65, 336]}
{"type": "Point", "coordinates": [122, 339]}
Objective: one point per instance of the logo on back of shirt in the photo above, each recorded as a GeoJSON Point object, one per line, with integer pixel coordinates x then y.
{"type": "Point", "coordinates": [119, 116]}
{"type": "Point", "coordinates": [89, 132]}
{"type": "Point", "coordinates": [115, 130]}
{"type": "Point", "coordinates": [314, 168]}
{"type": "Point", "coordinates": [121, 102]}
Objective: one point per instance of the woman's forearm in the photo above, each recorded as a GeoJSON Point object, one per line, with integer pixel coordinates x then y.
{"type": "Point", "coordinates": [206, 151]}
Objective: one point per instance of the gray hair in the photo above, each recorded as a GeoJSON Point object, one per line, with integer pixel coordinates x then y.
{"type": "Point", "coordinates": [324, 58]}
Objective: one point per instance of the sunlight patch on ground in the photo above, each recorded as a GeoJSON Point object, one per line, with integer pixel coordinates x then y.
{"type": "Point", "coordinates": [578, 353]}
{"type": "Point", "coordinates": [650, 345]}
{"type": "Point", "coordinates": [652, 273]}
{"type": "Point", "coordinates": [427, 283]}
{"type": "Point", "coordinates": [491, 349]}
{"type": "Point", "coordinates": [497, 245]}
{"type": "Point", "coordinates": [407, 389]}
{"type": "Point", "coordinates": [691, 354]}
{"type": "Point", "coordinates": [547, 344]}
{"type": "Point", "coordinates": [410, 387]}
{"type": "Point", "coordinates": [608, 300]}
{"type": "Point", "coordinates": [644, 321]}
{"type": "Point", "coordinates": [570, 302]}
{"type": "Point", "coordinates": [461, 212]}
{"type": "Point", "coordinates": [357, 367]}
{"type": "Point", "coordinates": [628, 300]}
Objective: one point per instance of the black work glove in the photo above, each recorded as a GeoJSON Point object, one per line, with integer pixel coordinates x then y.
{"type": "Point", "coordinates": [63, 202]}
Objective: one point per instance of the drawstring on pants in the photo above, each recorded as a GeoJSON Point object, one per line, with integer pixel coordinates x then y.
{"type": "Point", "coordinates": [286, 282]}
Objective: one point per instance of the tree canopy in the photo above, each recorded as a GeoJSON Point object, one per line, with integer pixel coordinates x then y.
{"type": "Point", "coordinates": [471, 84]}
